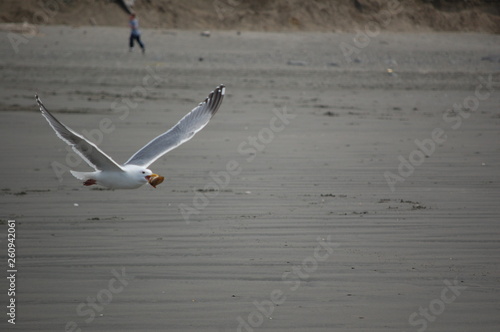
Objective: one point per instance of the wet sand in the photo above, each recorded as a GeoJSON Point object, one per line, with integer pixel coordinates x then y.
{"type": "Point", "coordinates": [278, 216]}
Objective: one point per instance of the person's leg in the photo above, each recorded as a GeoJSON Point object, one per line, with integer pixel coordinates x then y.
{"type": "Point", "coordinates": [131, 42]}
{"type": "Point", "coordinates": [141, 44]}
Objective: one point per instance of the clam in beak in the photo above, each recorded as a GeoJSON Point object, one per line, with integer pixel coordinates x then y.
{"type": "Point", "coordinates": [154, 179]}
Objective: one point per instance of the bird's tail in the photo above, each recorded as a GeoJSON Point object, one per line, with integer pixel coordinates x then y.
{"type": "Point", "coordinates": [81, 175]}
{"type": "Point", "coordinates": [88, 178]}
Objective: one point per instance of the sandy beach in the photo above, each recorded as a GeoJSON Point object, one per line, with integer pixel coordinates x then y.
{"type": "Point", "coordinates": [340, 187]}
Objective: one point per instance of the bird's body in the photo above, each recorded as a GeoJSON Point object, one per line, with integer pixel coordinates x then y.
{"type": "Point", "coordinates": [134, 172]}
{"type": "Point", "coordinates": [131, 177]}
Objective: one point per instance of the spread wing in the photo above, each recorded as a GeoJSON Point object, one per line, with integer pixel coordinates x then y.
{"type": "Point", "coordinates": [182, 132]}
{"type": "Point", "coordinates": [84, 148]}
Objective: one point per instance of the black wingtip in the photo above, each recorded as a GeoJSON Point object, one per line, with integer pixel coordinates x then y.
{"type": "Point", "coordinates": [222, 89]}
{"type": "Point", "coordinates": [39, 103]}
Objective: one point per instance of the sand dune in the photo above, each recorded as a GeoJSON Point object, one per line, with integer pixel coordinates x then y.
{"type": "Point", "coordinates": [265, 15]}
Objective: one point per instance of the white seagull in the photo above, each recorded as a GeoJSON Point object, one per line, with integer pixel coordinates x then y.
{"type": "Point", "coordinates": [134, 172]}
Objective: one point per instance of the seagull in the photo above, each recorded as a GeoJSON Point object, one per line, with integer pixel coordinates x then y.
{"type": "Point", "coordinates": [134, 172]}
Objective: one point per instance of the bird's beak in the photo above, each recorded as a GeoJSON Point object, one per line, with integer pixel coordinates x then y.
{"type": "Point", "coordinates": [154, 179]}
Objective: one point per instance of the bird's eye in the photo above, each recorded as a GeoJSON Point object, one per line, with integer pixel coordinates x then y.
{"type": "Point", "coordinates": [143, 172]}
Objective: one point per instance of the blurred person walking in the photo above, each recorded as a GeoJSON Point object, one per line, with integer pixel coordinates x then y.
{"type": "Point", "coordinates": [135, 34]}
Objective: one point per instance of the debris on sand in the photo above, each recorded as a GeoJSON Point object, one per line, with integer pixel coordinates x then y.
{"type": "Point", "coordinates": [296, 63]}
